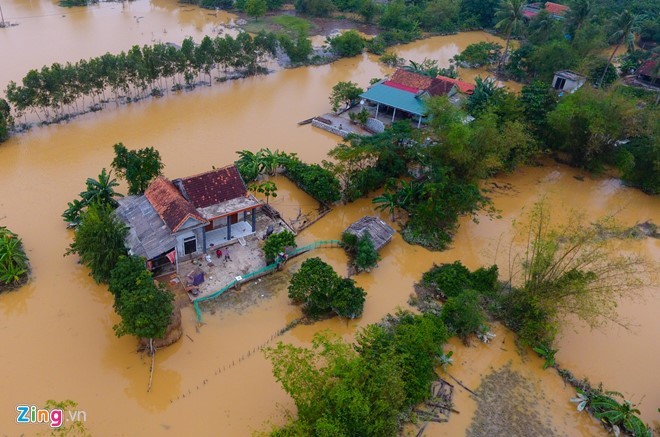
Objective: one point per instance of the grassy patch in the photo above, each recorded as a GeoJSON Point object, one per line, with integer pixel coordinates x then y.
{"type": "Point", "coordinates": [293, 24]}
{"type": "Point", "coordinates": [279, 23]}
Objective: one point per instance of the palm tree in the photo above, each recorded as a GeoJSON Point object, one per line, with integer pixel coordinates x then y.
{"type": "Point", "coordinates": [101, 190]}
{"type": "Point", "coordinates": [578, 14]}
{"type": "Point", "coordinates": [386, 201]}
{"type": "Point", "coordinates": [627, 25]}
{"type": "Point", "coordinates": [510, 19]}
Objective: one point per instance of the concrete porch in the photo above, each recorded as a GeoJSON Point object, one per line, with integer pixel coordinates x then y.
{"type": "Point", "coordinates": [218, 237]}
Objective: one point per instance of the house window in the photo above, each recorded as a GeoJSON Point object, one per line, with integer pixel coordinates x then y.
{"type": "Point", "coordinates": [559, 83]}
{"type": "Point", "coordinates": [189, 245]}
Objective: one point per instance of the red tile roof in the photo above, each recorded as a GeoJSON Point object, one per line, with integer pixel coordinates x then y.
{"type": "Point", "coordinates": [464, 87]}
{"type": "Point", "coordinates": [647, 67]}
{"type": "Point", "coordinates": [411, 80]}
{"type": "Point", "coordinates": [400, 87]}
{"type": "Point", "coordinates": [213, 187]}
{"type": "Point", "coordinates": [556, 8]}
{"type": "Point", "coordinates": [170, 204]}
{"type": "Point", "coordinates": [440, 88]}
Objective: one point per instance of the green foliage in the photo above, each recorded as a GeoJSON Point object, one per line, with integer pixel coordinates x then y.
{"type": "Point", "coordinates": [101, 191]}
{"type": "Point", "coordinates": [368, 10]}
{"type": "Point", "coordinates": [479, 54]}
{"type": "Point", "coordinates": [510, 20]}
{"type": "Point", "coordinates": [267, 188]}
{"type": "Point", "coordinates": [124, 276]}
{"type": "Point", "coordinates": [349, 43]}
{"type": "Point", "coordinates": [546, 353]}
{"type": "Point", "coordinates": [645, 171]}
{"type": "Point", "coordinates": [588, 124]}
{"type": "Point", "coordinates": [250, 164]}
{"type": "Point", "coordinates": [213, 4]}
{"type": "Point", "coordinates": [441, 16]}
{"type": "Point", "coordinates": [54, 91]}
{"type": "Point", "coordinates": [362, 251]}
{"type": "Point", "coordinates": [391, 59]}
{"type": "Point", "coordinates": [297, 51]}
{"type": "Point", "coordinates": [293, 25]}
{"type": "Point", "coordinates": [255, 8]}
{"type": "Point", "coordinates": [360, 118]}
{"type": "Point", "coordinates": [314, 180]}
{"type": "Point", "coordinates": [463, 314]}
{"type": "Point", "coordinates": [598, 71]}
{"type": "Point", "coordinates": [6, 120]}
{"type": "Point", "coordinates": [138, 167]}
{"type": "Point", "coordinates": [275, 243]}
{"type": "Point", "coordinates": [344, 93]}
{"type": "Point", "coordinates": [13, 260]}
{"type": "Point", "coordinates": [537, 100]}
{"type": "Point", "coordinates": [321, 290]}
{"type": "Point", "coordinates": [429, 67]}
{"type": "Point", "coordinates": [144, 307]}
{"type": "Point", "coordinates": [99, 240]}
{"type": "Point", "coordinates": [478, 13]}
{"type": "Point", "coordinates": [453, 279]}
{"type": "Point", "coordinates": [68, 428]}
{"type": "Point", "coordinates": [315, 8]}
{"type": "Point", "coordinates": [622, 415]}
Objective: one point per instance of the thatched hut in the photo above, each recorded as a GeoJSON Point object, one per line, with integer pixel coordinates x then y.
{"type": "Point", "coordinates": [379, 231]}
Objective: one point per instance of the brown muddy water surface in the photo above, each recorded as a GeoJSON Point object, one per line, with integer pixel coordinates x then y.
{"type": "Point", "coordinates": [57, 338]}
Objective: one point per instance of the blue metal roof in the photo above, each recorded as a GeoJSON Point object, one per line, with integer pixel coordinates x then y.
{"type": "Point", "coordinates": [396, 98]}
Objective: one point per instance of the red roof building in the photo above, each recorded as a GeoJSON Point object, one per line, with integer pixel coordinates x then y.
{"type": "Point", "coordinates": [215, 186]}
{"type": "Point", "coordinates": [555, 9]}
{"type": "Point", "coordinates": [170, 205]}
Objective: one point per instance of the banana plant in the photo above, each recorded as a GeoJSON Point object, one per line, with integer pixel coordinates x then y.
{"type": "Point", "coordinates": [546, 353]}
{"type": "Point", "coordinates": [446, 360]}
{"type": "Point", "coordinates": [581, 399]}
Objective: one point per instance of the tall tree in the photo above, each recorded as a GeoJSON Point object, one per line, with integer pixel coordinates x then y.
{"type": "Point", "coordinates": [510, 20]}
{"type": "Point", "coordinates": [138, 167]}
{"type": "Point", "coordinates": [256, 8]}
{"type": "Point", "coordinates": [6, 120]}
{"type": "Point", "coordinates": [578, 14]}
{"type": "Point", "coordinates": [101, 190]}
{"type": "Point", "coordinates": [626, 25]}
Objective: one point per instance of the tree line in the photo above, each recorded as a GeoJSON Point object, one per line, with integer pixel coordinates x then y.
{"type": "Point", "coordinates": [60, 91]}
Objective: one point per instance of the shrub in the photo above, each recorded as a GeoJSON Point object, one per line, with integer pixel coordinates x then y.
{"type": "Point", "coordinates": [316, 181]}
{"type": "Point", "coordinates": [13, 260]}
{"type": "Point", "coordinates": [448, 279]}
{"type": "Point", "coordinates": [463, 314]}
{"type": "Point", "coordinates": [275, 243]}
{"type": "Point", "coordinates": [347, 44]}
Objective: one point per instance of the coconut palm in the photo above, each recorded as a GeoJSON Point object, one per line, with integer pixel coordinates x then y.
{"type": "Point", "coordinates": [510, 20]}
{"type": "Point", "coordinates": [578, 14]}
{"type": "Point", "coordinates": [101, 190]}
{"type": "Point", "coordinates": [627, 25]}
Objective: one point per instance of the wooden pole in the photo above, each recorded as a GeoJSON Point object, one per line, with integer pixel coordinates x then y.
{"type": "Point", "coordinates": [2, 18]}
{"type": "Point", "coordinates": [151, 370]}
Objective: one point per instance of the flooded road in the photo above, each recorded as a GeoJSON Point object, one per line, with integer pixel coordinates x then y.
{"type": "Point", "coordinates": [56, 332]}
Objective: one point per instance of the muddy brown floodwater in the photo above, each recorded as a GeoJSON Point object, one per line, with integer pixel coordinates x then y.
{"type": "Point", "coordinates": [56, 333]}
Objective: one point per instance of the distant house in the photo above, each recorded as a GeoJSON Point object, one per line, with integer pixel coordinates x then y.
{"type": "Point", "coordinates": [404, 91]}
{"type": "Point", "coordinates": [567, 81]}
{"type": "Point", "coordinates": [379, 231]}
{"type": "Point", "coordinates": [556, 10]}
{"type": "Point", "coordinates": [185, 217]}
{"type": "Point", "coordinates": [648, 71]}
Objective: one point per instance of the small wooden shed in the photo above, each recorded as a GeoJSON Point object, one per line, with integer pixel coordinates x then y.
{"type": "Point", "coordinates": [379, 231]}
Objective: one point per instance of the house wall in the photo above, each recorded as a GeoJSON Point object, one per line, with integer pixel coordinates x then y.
{"type": "Point", "coordinates": [183, 235]}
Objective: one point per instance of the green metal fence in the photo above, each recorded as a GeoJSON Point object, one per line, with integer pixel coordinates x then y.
{"type": "Point", "coordinates": [262, 271]}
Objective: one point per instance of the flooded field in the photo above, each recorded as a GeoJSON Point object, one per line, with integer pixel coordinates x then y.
{"type": "Point", "coordinates": [56, 332]}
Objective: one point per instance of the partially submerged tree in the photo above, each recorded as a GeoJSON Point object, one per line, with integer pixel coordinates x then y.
{"type": "Point", "coordinates": [510, 20]}
{"type": "Point", "coordinates": [99, 240]}
{"type": "Point", "coordinates": [567, 270]}
{"type": "Point", "coordinates": [138, 167]}
{"type": "Point", "coordinates": [275, 243]}
{"type": "Point", "coordinates": [344, 93]}
{"type": "Point", "coordinates": [267, 188]}
{"type": "Point", "coordinates": [100, 191]}
{"type": "Point", "coordinates": [14, 266]}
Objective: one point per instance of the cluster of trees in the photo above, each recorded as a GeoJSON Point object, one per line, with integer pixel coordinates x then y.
{"type": "Point", "coordinates": [314, 179]}
{"type": "Point", "coordinates": [145, 308]}
{"type": "Point", "coordinates": [6, 120]}
{"type": "Point", "coordinates": [14, 267]}
{"type": "Point", "coordinates": [59, 91]}
{"type": "Point", "coordinates": [366, 388]}
{"type": "Point", "coordinates": [322, 291]}
{"type": "Point", "coordinates": [361, 250]}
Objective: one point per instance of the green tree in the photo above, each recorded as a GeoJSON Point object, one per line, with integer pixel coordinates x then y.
{"type": "Point", "coordinates": [315, 8]}
{"type": "Point", "coordinates": [99, 240]}
{"type": "Point", "coordinates": [124, 275]}
{"type": "Point", "coordinates": [145, 308]}
{"type": "Point", "coordinates": [463, 314]}
{"type": "Point", "coordinates": [386, 202]}
{"type": "Point", "coordinates": [275, 243]}
{"type": "Point", "coordinates": [312, 285]}
{"type": "Point", "coordinates": [347, 299]}
{"type": "Point", "coordinates": [510, 20]}
{"type": "Point", "coordinates": [138, 167]}
{"type": "Point", "coordinates": [68, 428]}
{"type": "Point", "coordinates": [537, 100]}
{"type": "Point", "coordinates": [297, 51]}
{"type": "Point", "coordinates": [256, 8]}
{"type": "Point", "coordinates": [626, 25]}
{"type": "Point", "coordinates": [345, 93]}
{"type": "Point", "coordinates": [267, 188]}
{"type": "Point", "coordinates": [578, 14]}
{"type": "Point", "coordinates": [479, 54]}
{"type": "Point", "coordinates": [349, 43]}
{"type": "Point", "coordinates": [6, 120]}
